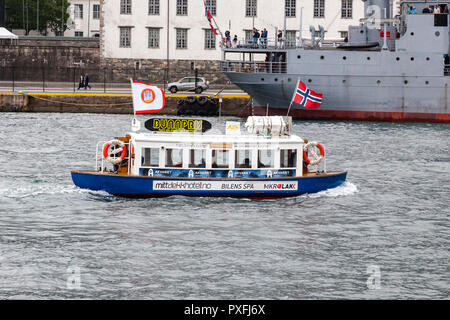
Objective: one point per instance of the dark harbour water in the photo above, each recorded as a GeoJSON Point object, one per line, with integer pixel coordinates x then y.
{"type": "Point", "coordinates": [60, 242]}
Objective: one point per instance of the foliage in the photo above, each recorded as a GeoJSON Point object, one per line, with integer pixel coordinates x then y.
{"type": "Point", "coordinates": [23, 14]}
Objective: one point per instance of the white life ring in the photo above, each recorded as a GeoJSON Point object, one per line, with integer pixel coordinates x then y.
{"type": "Point", "coordinates": [316, 159]}
{"type": "Point", "coordinates": [114, 157]}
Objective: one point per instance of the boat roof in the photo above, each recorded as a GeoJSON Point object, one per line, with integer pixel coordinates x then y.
{"type": "Point", "coordinates": [176, 137]}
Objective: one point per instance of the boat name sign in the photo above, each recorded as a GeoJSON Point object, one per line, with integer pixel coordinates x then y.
{"type": "Point", "coordinates": [177, 125]}
{"type": "Point", "coordinates": [225, 185]}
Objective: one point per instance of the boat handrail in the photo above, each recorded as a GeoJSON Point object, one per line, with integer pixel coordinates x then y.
{"type": "Point", "coordinates": [98, 154]}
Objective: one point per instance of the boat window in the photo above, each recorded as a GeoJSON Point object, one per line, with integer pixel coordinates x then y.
{"type": "Point", "coordinates": [150, 157]}
{"type": "Point", "coordinates": [220, 158]}
{"type": "Point", "coordinates": [265, 158]}
{"type": "Point", "coordinates": [197, 158]}
{"type": "Point", "coordinates": [174, 158]}
{"type": "Point", "coordinates": [288, 158]}
{"type": "Point", "coordinates": [243, 158]}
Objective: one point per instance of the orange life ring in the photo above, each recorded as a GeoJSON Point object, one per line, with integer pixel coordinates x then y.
{"type": "Point", "coordinates": [106, 149]}
{"type": "Point", "coordinates": [305, 153]}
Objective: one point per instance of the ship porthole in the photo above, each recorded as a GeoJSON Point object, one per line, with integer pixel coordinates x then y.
{"type": "Point", "coordinates": [427, 82]}
{"type": "Point", "coordinates": [345, 58]}
{"type": "Point", "coordinates": [344, 81]}
{"type": "Point", "coordinates": [406, 81]}
{"type": "Point", "coordinates": [368, 58]}
{"type": "Point", "coordinates": [309, 80]}
{"type": "Point", "coordinates": [412, 58]}
{"type": "Point", "coordinates": [276, 79]}
{"type": "Point", "coordinates": [437, 33]}
{"type": "Point", "coordinates": [412, 33]}
{"type": "Point", "coordinates": [298, 57]}
{"type": "Point", "coordinates": [289, 79]}
{"type": "Point", "coordinates": [262, 79]}
{"type": "Point", "coordinates": [428, 58]}
{"type": "Point", "coordinates": [322, 57]}
{"type": "Point", "coordinates": [378, 81]}
{"type": "Point", "coordinates": [398, 59]}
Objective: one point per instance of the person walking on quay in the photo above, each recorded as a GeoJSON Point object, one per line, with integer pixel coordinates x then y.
{"type": "Point", "coordinates": [81, 84]}
{"type": "Point", "coordinates": [86, 82]}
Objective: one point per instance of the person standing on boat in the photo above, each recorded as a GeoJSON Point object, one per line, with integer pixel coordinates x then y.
{"type": "Point", "coordinates": [86, 82]}
{"type": "Point", "coordinates": [235, 41]}
{"type": "Point", "coordinates": [256, 36]}
{"type": "Point", "coordinates": [227, 39]}
{"type": "Point", "coordinates": [426, 9]}
{"type": "Point", "coordinates": [280, 38]}
{"type": "Point", "coordinates": [264, 38]}
{"type": "Point", "coordinates": [81, 84]}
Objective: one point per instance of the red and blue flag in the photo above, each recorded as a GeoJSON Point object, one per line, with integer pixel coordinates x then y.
{"type": "Point", "coordinates": [306, 97]}
{"type": "Point", "coordinates": [209, 17]}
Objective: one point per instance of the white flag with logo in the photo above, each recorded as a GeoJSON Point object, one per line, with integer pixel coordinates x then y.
{"type": "Point", "coordinates": [147, 98]}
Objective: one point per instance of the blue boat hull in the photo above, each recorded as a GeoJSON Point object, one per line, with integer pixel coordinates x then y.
{"type": "Point", "coordinates": [257, 188]}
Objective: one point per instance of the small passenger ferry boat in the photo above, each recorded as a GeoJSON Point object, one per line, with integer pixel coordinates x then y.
{"type": "Point", "coordinates": [178, 157]}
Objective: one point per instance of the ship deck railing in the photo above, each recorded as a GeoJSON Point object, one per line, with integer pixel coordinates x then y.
{"type": "Point", "coordinates": [284, 44]}
{"type": "Point", "coordinates": [253, 66]}
{"type": "Point", "coordinates": [261, 44]}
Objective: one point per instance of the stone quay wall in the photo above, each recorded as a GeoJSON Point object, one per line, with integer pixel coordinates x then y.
{"type": "Point", "coordinates": [99, 103]}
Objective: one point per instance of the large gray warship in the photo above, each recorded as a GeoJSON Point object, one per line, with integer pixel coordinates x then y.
{"type": "Point", "coordinates": [392, 68]}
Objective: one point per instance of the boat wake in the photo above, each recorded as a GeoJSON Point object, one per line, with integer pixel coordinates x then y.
{"type": "Point", "coordinates": [346, 189]}
{"type": "Point", "coordinates": [32, 191]}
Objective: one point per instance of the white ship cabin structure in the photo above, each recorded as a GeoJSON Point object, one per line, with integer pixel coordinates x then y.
{"type": "Point", "coordinates": [267, 150]}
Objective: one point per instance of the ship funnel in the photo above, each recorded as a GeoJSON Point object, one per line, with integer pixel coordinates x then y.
{"type": "Point", "coordinates": [313, 35]}
{"type": "Point", "coordinates": [375, 8]}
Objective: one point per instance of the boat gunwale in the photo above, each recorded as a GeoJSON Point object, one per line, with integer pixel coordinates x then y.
{"type": "Point", "coordinates": [311, 176]}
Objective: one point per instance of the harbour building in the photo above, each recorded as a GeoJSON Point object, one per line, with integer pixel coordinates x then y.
{"type": "Point", "coordinates": [84, 18]}
{"type": "Point", "coordinates": [176, 33]}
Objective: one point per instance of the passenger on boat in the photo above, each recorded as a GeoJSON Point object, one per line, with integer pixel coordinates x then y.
{"type": "Point", "coordinates": [427, 9]}
{"type": "Point", "coordinates": [202, 164]}
{"type": "Point", "coordinates": [246, 164]}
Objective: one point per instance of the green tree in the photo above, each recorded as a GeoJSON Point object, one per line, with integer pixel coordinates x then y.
{"type": "Point", "coordinates": [41, 15]}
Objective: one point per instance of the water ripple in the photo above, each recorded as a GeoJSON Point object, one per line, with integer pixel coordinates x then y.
{"type": "Point", "coordinates": [392, 213]}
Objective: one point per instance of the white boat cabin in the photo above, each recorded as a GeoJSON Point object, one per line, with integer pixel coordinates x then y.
{"type": "Point", "coordinates": [264, 151]}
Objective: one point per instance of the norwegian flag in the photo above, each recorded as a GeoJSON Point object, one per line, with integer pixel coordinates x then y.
{"type": "Point", "coordinates": [209, 17]}
{"type": "Point", "coordinates": [306, 97]}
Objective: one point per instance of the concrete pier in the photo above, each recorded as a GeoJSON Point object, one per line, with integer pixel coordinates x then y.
{"type": "Point", "coordinates": [13, 102]}
{"type": "Point", "coordinates": [100, 103]}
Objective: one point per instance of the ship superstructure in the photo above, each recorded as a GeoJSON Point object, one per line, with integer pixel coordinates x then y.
{"type": "Point", "coordinates": [391, 68]}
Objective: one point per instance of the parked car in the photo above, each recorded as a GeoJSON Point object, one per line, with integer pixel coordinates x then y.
{"type": "Point", "coordinates": [188, 84]}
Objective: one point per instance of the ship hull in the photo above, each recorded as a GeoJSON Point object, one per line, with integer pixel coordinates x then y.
{"type": "Point", "coordinates": [369, 86]}
{"type": "Point", "coordinates": [347, 115]}
{"type": "Point", "coordinates": [156, 187]}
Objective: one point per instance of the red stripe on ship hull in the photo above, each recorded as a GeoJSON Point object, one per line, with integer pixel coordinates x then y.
{"type": "Point", "coordinates": [349, 115]}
